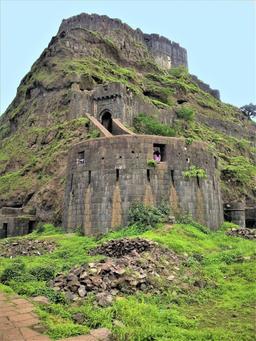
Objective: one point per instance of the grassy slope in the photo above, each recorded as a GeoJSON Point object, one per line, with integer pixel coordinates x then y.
{"type": "Point", "coordinates": [223, 309]}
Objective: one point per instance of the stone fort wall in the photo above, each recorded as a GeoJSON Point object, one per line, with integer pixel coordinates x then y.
{"type": "Point", "coordinates": [165, 52]}
{"type": "Point", "coordinates": [115, 173]}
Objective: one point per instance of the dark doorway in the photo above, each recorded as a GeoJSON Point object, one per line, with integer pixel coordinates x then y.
{"type": "Point", "coordinates": [5, 230]}
{"type": "Point", "coordinates": [31, 225]}
{"type": "Point", "coordinates": [106, 121]}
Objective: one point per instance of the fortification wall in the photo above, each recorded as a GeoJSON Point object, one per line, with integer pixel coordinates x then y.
{"type": "Point", "coordinates": [117, 99]}
{"type": "Point", "coordinates": [165, 52]}
{"type": "Point", "coordinates": [115, 173]}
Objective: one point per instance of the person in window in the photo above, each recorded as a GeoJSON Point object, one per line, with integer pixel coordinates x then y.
{"type": "Point", "coordinates": [157, 156]}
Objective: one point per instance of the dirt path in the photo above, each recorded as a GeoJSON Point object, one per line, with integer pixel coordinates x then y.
{"type": "Point", "coordinates": [18, 322]}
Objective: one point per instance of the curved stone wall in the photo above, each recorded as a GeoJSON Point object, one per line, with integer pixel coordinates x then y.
{"type": "Point", "coordinates": [106, 175]}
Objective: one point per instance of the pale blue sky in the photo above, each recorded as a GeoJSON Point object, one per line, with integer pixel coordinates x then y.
{"type": "Point", "coordinates": [219, 36]}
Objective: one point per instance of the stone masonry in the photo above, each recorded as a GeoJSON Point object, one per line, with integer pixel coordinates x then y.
{"type": "Point", "coordinates": [106, 175]}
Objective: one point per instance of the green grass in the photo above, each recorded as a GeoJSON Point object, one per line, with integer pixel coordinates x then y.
{"type": "Point", "coordinates": [222, 309]}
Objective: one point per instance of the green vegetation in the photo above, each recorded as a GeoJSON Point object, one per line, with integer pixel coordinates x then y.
{"type": "Point", "coordinates": [194, 172]}
{"type": "Point", "coordinates": [152, 163]}
{"type": "Point", "coordinates": [186, 113]}
{"type": "Point", "coordinates": [239, 170]}
{"type": "Point", "coordinates": [147, 217]}
{"type": "Point", "coordinates": [215, 301]}
{"type": "Point", "coordinates": [34, 157]}
{"type": "Point", "coordinates": [145, 124]}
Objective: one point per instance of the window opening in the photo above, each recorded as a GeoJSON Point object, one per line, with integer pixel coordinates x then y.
{"type": "Point", "coordinates": [159, 154]}
{"type": "Point", "coordinates": [216, 162]}
{"type": "Point", "coordinates": [198, 181]}
{"type": "Point", "coordinates": [5, 228]}
{"type": "Point", "coordinates": [89, 177]}
{"type": "Point", "coordinates": [172, 176]}
{"type": "Point", "coordinates": [117, 174]}
{"type": "Point", "coordinates": [31, 225]}
{"type": "Point", "coordinates": [71, 182]}
{"type": "Point", "coordinates": [148, 175]}
{"type": "Point", "coordinates": [80, 159]}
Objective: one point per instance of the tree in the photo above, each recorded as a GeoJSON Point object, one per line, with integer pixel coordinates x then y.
{"type": "Point", "coordinates": [249, 110]}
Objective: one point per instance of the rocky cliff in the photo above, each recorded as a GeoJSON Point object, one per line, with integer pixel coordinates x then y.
{"type": "Point", "coordinates": [46, 116]}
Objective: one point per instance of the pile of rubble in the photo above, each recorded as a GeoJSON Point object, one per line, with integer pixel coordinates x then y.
{"type": "Point", "coordinates": [123, 275]}
{"type": "Point", "coordinates": [242, 232]}
{"type": "Point", "coordinates": [26, 247]}
{"type": "Point", "coordinates": [124, 246]}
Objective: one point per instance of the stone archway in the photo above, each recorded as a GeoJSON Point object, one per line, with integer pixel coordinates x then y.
{"type": "Point", "coordinates": [106, 120]}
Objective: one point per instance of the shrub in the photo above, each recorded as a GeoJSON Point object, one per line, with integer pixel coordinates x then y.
{"type": "Point", "coordinates": [43, 273]}
{"type": "Point", "coordinates": [14, 271]}
{"type": "Point", "coordinates": [186, 113]}
{"type": "Point", "coordinates": [151, 163]}
{"type": "Point", "coordinates": [145, 217]}
{"type": "Point", "coordinates": [193, 172]}
{"type": "Point", "coordinates": [149, 125]}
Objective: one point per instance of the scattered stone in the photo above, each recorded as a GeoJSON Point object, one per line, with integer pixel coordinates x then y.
{"type": "Point", "coordinates": [102, 334]}
{"type": "Point", "coordinates": [104, 299]}
{"type": "Point", "coordinates": [242, 232]}
{"type": "Point", "coordinates": [41, 300]}
{"type": "Point", "coordinates": [26, 247]}
{"type": "Point", "coordinates": [79, 318]}
{"type": "Point", "coordinates": [140, 268]}
{"type": "Point", "coordinates": [124, 246]}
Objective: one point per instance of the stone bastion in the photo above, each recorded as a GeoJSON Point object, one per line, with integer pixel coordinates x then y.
{"type": "Point", "coordinates": [106, 175]}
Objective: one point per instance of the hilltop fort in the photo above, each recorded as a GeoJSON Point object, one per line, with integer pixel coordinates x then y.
{"type": "Point", "coordinates": [109, 116]}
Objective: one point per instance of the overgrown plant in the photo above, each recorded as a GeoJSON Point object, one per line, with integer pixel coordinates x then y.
{"type": "Point", "coordinates": [186, 113]}
{"type": "Point", "coordinates": [147, 217]}
{"type": "Point", "coordinates": [146, 124]}
{"type": "Point", "coordinates": [151, 163]}
{"type": "Point", "coordinates": [194, 172]}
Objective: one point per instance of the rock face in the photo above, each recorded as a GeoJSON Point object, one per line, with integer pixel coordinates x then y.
{"type": "Point", "coordinates": [138, 265]}
{"type": "Point", "coordinates": [165, 52]}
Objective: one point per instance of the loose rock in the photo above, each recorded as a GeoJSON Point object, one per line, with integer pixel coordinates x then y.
{"type": "Point", "coordinates": [26, 247]}
{"type": "Point", "coordinates": [142, 264]}
{"type": "Point", "coordinates": [242, 232]}
{"type": "Point", "coordinates": [124, 246]}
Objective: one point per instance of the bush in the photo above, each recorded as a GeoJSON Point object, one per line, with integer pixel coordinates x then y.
{"type": "Point", "coordinates": [186, 113]}
{"type": "Point", "coordinates": [13, 272]}
{"type": "Point", "coordinates": [194, 172]}
{"type": "Point", "coordinates": [43, 273]}
{"type": "Point", "coordinates": [145, 124]}
{"type": "Point", "coordinates": [151, 163]}
{"type": "Point", "coordinates": [146, 217]}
